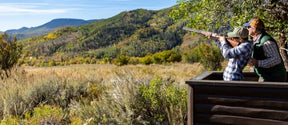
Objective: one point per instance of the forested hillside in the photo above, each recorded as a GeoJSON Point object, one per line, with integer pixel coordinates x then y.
{"type": "Point", "coordinates": [131, 33]}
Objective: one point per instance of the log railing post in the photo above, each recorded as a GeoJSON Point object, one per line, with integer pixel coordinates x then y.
{"type": "Point", "coordinates": [190, 105]}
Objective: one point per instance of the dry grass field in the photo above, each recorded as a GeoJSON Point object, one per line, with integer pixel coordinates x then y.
{"type": "Point", "coordinates": [82, 94]}
{"type": "Point", "coordinates": [178, 71]}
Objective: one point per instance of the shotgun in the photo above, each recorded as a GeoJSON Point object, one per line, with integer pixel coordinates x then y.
{"type": "Point", "coordinates": [202, 32]}
{"type": "Point", "coordinates": [232, 42]}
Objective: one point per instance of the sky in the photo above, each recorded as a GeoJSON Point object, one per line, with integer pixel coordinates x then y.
{"type": "Point", "coordinates": [15, 14]}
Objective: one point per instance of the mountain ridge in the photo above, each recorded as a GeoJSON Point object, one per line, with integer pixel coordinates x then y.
{"type": "Point", "coordinates": [24, 32]}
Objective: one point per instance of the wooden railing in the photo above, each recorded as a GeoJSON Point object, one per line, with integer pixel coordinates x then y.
{"type": "Point", "coordinates": [214, 101]}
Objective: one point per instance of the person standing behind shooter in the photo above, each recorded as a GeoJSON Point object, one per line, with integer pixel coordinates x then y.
{"type": "Point", "coordinates": [266, 58]}
{"type": "Point", "coordinates": [238, 55]}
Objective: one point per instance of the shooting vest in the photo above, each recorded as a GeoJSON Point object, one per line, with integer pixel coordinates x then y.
{"type": "Point", "coordinates": [258, 54]}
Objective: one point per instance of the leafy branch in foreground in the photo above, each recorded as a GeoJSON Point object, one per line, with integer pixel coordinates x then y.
{"type": "Point", "coordinates": [10, 52]}
{"type": "Point", "coordinates": [212, 15]}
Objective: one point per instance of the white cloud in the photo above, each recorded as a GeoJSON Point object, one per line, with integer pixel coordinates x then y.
{"type": "Point", "coordinates": [28, 8]}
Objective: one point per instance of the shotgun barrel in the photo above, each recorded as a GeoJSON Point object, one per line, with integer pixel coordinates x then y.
{"type": "Point", "coordinates": [201, 31]}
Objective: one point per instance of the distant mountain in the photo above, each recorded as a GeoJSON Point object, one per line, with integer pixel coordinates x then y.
{"type": "Point", "coordinates": [25, 32]}
{"type": "Point", "coordinates": [63, 22]}
{"type": "Point", "coordinates": [15, 31]}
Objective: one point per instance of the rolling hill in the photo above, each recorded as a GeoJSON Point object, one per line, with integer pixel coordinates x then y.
{"type": "Point", "coordinates": [132, 33]}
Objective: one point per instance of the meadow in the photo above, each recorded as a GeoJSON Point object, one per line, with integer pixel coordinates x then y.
{"type": "Point", "coordinates": [97, 94]}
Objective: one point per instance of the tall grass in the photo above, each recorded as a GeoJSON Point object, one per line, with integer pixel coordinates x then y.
{"type": "Point", "coordinates": [97, 94]}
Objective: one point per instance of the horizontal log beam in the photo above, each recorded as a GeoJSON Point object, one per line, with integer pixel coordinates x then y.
{"type": "Point", "coordinates": [235, 120]}
{"type": "Point", "coordinates": [242, 91]}
{"type": "Point", "coordinates": [241, 111]}
{"type": "Point", "coordinates": [266, 103]}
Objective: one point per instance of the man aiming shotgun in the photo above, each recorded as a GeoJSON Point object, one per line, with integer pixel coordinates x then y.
{"type": "Point", "coordinates": [238, 51]}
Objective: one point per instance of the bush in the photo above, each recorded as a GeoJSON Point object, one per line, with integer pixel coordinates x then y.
{"type": "Point", "coordinates": [147, 59]}
{"type": "Point", "coordinates": [10, 52]}
{"type": "Point", "coordinates": [134, 60]}
{"type": "Point", "coordinates": [122, 60]}
{"type": "Point", "coordinates": [174, 57]}
{"type": "Point", "coordinates": [95, 91]}
{"type": "Point", "coordinates": [166, 57]}
{"type": "Point", "coordinates": [45, 115]}
{"type": "Point", "coordinates": [208, 55]}
{"type": "Point", "coordinates": [52, 63]}
{"type": "Point", "coordinates": [160, 102]}
{"type": "Point", "coordinates": [41, 115]}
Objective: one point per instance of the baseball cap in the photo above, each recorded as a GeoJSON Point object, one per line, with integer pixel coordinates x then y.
{"type": "Point", "coordinates": [247, 24]}
{"type": "Point", "coordinates": [256, 23]}
{"type": "Point", "coordinates": [239, 32]}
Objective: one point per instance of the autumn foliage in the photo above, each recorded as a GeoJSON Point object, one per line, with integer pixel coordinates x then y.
{"type": "Point", "coordinates": [10, 51]}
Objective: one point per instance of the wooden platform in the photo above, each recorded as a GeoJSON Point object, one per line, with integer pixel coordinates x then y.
{"type": "Point", "coordinates": [212, 101]}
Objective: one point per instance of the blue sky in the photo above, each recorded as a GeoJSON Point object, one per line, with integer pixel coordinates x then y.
{"type": "Point", "coordinates": [15, 14]}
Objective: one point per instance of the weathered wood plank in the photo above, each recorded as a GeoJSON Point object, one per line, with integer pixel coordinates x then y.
{"type": "Point", "coordinates": [204, 124]}
{"type": "Point", "coordinates": [239, 83]}
{"type": "Point", "coordinates": [241, 111]}
{"type": "Point", "coordinates": [242, 91]}
{"type": "Point", "coordinates": [267, 103]}
{"type": "Point", "coordinates": [248, 76]}
{"type": "Point", "coordinates": [235, 120]}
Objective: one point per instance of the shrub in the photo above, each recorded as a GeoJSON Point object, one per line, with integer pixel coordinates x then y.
{"type": "Point", "coordinates": [147, 59]}
{"type": "Point", "coordinates": [51, 36]}
{"type": "Point", "coordinates": [52, 63]}
{"type": "Point", "coordinates": [106, 60]}
{"type": "Point", "coordinates": [45, 115]}
{"type": "Point", "coordinates": [122, 60]}
{"type": "Point", "coordinates": [95, 91]}
{"type": "Point", "coordinates": [10, 121]}
{"type": "Point", "coordinates": [19, 98]}
{"type": "Point", "coordinates": [134, 60]}
{"type": "Point", "coordinates": [208, 55]}
{"type": "Point", "coordinates": [160, 102]}
{"type": "Point", "coordinates": [174, 57]}
{"type": "Point", "coordinates": [41, 115]}
{"type": "Point", "coordinates": [166, 57]}
{"type": "Point", "coordinates": [10, 52]}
